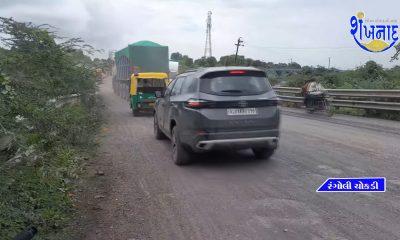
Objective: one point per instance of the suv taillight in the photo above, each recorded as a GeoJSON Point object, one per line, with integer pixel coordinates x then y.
{"type": "Point", "coordinates": [196, 103]}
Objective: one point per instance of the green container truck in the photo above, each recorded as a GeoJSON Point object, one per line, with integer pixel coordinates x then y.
{"type": "Point", "coordinates": [142, 56]}
{"type": "Point", "coordinates": [142, 68]}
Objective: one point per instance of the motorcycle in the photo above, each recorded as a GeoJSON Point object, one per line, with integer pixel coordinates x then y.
{"type": "Point", "coordinates": [319, 103]}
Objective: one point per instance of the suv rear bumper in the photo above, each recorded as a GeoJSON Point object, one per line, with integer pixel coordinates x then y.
{"type": "Point", "coordinates": [202, 141]}
{"type": "Point", "coordinates": [271, 142]}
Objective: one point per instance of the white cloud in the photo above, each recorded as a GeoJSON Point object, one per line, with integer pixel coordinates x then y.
{"type": "Point", "coordinates": [305, 31]}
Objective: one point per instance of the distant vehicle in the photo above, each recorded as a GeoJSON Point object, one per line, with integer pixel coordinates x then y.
{"type": "Point", "coordinates": [319, 104]}
{"type": "Point", "coordinates": [142, 90]}
{"type": "Point", "coordinates": [214, 108]}
{"type": "Point", "coordinates": [136, 65]}
{"type": "Point", "coordinates": [315, 97]}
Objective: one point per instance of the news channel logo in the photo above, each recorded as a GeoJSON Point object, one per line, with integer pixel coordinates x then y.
{"type": "Point", "coordinates": [374, 34]}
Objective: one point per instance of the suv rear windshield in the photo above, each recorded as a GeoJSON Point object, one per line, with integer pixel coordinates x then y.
{"type": "Point", "coordinates": [232, 84]}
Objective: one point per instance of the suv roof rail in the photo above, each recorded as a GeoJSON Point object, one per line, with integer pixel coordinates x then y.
{"type": "Point", "coordinates": [190, 70]}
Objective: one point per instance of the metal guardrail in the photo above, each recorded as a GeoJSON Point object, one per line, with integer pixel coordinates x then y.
{"type": "Point", "coordinates": [63, 100]}
{"type": "Point", "coordinates": [70, 99]}
{"type": "Point", "coordinates": [352, 98]}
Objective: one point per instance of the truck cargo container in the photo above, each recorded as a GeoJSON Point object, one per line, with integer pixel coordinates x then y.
{"type": "Point", "coordinates": [142, 56]}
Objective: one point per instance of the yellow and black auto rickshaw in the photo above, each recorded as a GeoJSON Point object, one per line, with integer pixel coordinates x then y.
{"type": "Point", "coordinates": [143, 87]}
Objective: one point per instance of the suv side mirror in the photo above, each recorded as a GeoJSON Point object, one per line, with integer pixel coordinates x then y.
{"type": "Point", "coordinates": [159, 94]}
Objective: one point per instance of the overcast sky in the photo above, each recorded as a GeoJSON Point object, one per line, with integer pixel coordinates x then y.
{"type": "Point", "coordinates": [304, 31]}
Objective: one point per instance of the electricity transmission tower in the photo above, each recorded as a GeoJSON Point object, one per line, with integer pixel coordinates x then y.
{"type": "Point", "coordinates": [207, 48]}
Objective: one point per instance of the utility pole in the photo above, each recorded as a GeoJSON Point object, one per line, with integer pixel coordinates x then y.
{"type": "Point", "coordinates": [238, 44]}
{"type": "Point", "coordinates": [329, 62]}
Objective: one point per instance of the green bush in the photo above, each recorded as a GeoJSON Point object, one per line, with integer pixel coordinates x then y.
{"type": "Point", "coordinates": [37, 194]}
{"type": "Point", "coordinates": [44, 141]}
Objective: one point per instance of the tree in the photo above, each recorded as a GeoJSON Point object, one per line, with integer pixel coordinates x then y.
{"type": "Point", "coordinates": [331, 81]}
{"type": "Point", "coordinates": [186, 61]}
{"type": "Point", "coordinates": [226, 60]}
{"type": "Point", "coordinates": [281, 65]}
{"type": "Point", "coordinates": [176, 56]}
{"type": "Point", "coordinates": [248, 62]}
{"type": "Point", "coordinates": [211, 62]}
{"type": "Point", "coordinates": [396, 54]}
{"type": "Point", "coordinates": [201, 62]}
{"type": "Point", "coordinates": [372, 70]}
{"type": "Point", "coordinates": [294, 65]}
{"type": "Point", "coordinates": [205, 62]}
{"type": "Point", "coordinates": [257, 63]}
{"type": "Point", "coordinates": [306, 70]}
{"type": "Point", "coordinates": [229, 60]}
{"type": "Point", "coordinates": [320, 70]}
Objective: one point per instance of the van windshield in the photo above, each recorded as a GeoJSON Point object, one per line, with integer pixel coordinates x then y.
{"type": "Point", "coordinates": [235, 85]}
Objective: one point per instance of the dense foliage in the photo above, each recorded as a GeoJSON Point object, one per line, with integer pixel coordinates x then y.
{"type": "Point", "coordinates": [185, 62]}
{"type": "Point", "coordinates": [42, 142]}
{"type": "Point", "coordinates": [369, 76]}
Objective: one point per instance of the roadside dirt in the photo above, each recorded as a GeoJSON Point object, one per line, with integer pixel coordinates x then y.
{"type": "Point", "coordinates": [117, 202]}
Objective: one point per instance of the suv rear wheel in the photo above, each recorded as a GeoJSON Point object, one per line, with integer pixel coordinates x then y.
{"type": "Point", "coordinates": [180, 155]}
{"type": "Point", "coordinates": [263, 153]}
{"type": "Point", "coordinates": [157, 131]}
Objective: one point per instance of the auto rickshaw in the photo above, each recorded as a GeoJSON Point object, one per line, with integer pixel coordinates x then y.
{"type": "Point", "coordinates": [143, 87]}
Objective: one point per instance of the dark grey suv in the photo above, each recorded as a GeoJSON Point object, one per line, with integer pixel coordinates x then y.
{"type": "Point", "coordinates": [221, 107]}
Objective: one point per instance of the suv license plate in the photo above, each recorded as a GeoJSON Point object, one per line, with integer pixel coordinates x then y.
{"type": "Point", "coordinates": [241, 111]}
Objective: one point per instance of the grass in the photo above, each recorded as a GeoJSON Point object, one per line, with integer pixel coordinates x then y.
{"type": "Point", "coordinates": [40, 192]}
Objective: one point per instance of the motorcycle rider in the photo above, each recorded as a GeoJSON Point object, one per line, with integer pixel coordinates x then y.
{"type": "Point", "coordinates": [312, 91]}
